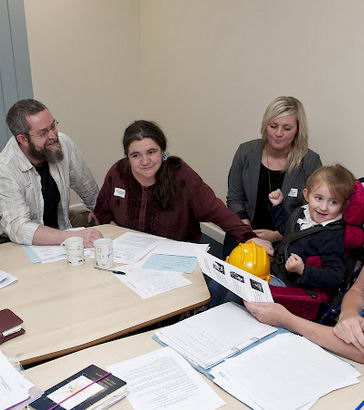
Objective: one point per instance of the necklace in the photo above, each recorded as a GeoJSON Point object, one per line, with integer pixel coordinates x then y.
{"type": "Point", "coordinates": [269, 179]}
{"type": "Point", "coordinates": [275, 176]}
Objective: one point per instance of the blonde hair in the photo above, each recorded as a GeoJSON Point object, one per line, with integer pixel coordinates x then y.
{"type": "Point", "coordinates": [281, 107]}
{"type": "Point", "coordinates": [339, 180]}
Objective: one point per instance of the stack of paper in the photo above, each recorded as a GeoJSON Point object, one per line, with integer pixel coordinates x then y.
{"type": "Point", "coordinates": [41, 254]}
{"type": "Point", "coordinates": [6, 279]}
{"type": "Point", "coordinates": [159, 272]}
{"type": "Point", "coordinates": [164, 380]}
{"type": "Point", "coordinates": [211, 336]}
{"type": "Point", "coordinates": [47, 254]}
{"type": "Point", "coordinates": [148, 283]}
{"type": "Point", "coordinates": [284, 372]}
{"type": "Point", "coordinates": [130, 246]}
{"type": "Point", "coordinates": [15, 390]}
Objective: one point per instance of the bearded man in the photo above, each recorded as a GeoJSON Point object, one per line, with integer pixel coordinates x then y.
{"type": "Point", "coordinates": [38, 166]}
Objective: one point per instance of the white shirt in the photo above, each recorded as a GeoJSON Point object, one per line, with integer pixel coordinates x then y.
{"type": "Point", "coordinates": [307, 222]}
{"type": "Point", "coordinates": [21, 199]}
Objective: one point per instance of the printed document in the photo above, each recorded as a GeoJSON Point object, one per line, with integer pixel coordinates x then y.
{"type": "Point", "coordinates": [169, 247]}
{"type": "Point", "coordinates": [149, 283]}
{"type": "Point", "coordinates": [284, 372]}
{"type": "Point", "coordinates": [6, 279]}
{"type": "Point", "coordinates": [15, 389]}
{"type": "Point", "coordinates": [211, 336]}
{"type": "Point", "coordinates": [130, 246]}
{"type": "Point", "coordinates": [240, 282]}
{"type": "Point", "coordinates": [164, 380]}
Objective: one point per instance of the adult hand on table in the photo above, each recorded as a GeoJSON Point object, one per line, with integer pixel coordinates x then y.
{"type": "Point", "coordinates": [89, 235]}
{"type": "Point", "coordinates": [350, 328]}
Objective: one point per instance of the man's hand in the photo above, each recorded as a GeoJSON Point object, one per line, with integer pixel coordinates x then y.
{"type": "Point", "coordinates": [295, 264]}
{"type": "Point", "coordinates": [268, 312]}
{"type": "Point", "coordinates": [246, 221]}
{"type": "Point", "coordinates": [266, 244]}
{"type": "Point", "coordinates": [89, 235]}
{"type": "Point", "coordinates": [92, 220]}
{"type": "Point", "coordinates": [276, 197]}
{"type": "Point", "coordinates": [268, 235]}
{"type": "Point", "coordinates": [350, 328]}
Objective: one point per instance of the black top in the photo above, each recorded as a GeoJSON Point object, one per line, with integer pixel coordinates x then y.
{"type": "Point", "coordinates": [268, 181]}
{"type": "Point", "coordinates": [326, 246]}
{"type": "Point", "coordinates": [50, 194]}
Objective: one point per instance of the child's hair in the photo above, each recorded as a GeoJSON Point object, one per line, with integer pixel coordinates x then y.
{"type": "Point", "coordinates": [339, 179]}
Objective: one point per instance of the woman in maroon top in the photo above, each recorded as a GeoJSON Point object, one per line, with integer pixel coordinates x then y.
{"type": "Point", "coordinates": [152, 192]}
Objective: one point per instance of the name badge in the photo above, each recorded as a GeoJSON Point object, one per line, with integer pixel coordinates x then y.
{"type": "Point", "coordinates": [293, 192]}
{"type": "Point", "coordinates": [119, 192]}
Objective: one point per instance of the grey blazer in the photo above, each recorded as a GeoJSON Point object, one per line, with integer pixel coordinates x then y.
{"type": "Point", "coordinates": [244, 177]}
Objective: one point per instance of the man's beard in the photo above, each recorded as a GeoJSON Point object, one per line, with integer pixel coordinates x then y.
{"type": "Point", "coordinates": [45, 154]}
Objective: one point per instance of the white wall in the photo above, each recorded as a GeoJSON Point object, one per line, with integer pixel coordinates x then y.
{"type": "Point", "coordinates": [85, 62]}
{"type": "Point", "coordinates": [204, 69]}
{"type": "Point", "coordinates": [212, 66]}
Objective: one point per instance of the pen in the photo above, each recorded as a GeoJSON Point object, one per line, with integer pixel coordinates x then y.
{"type": "Point", "coordinates": [118, 272]}
{"type": "Point", "coordinates": [361, 405]}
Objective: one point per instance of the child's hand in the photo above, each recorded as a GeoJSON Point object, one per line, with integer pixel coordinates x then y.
{"type": "Point", "coordinates": [295, 264]}
{"type": "Point", "coordinates": [276, 197]}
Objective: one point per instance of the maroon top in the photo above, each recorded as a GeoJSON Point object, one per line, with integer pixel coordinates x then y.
{"type": "Point", "coordinates": [123, 200]}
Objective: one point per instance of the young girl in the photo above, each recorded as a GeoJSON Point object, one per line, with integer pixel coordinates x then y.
{"type": "Point", "coordinates": [314, 230]}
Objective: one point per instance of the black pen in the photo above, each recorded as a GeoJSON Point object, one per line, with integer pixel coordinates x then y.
{"type": "Point", "coordinates": [118, 272]}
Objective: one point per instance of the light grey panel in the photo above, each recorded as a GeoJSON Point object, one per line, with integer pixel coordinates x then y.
{"type": "Point", "coordinates": [20, 49]}
{"type": "Point", "coordinates": [15, 76]}
{"type": "Point", "coordinates": [4, 132]}
{"type": "Point", "coordinates": [7, 68]}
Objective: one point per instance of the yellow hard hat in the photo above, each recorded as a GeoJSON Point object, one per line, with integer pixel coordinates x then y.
{"type": "Point", "coordinates": [252, 258]}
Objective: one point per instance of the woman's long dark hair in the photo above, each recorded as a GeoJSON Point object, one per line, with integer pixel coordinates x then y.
{"type": "Point", "coordinates": [165, 189]}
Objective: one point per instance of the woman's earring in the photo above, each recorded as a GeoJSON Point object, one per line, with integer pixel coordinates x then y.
{"type": "Point", "coordinates": [165, 155]}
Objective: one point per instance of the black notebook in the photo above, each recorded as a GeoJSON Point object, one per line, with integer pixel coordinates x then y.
{"type": "Point", "coordinates": [90, 388]}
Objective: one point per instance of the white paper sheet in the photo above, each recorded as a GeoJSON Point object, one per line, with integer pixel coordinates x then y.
{"type": "Point", "coordinates": [164, 380]}
{"type": "Point", "coordinates": [240, 282]}
{"type": "Point", "coordinates": [285, 372]}
{"type": "Point", "coordinates": [14, 387]}
{"type": "Point", "coordinates": [149, 283]}
{"type": "Point", "coordinates": [131, 246]}
{"type": "Point", "coordinates": [213, 335]}
{"type": "Point", "coordinates": [6, 279]}
{"type": "Point", "coordinates": [169, 247]}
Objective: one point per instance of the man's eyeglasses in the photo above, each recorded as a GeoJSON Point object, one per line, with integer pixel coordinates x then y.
{"type": "Point", "coordinates": [45, 131]}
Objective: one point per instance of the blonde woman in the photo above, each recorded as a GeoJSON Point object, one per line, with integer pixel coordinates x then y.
{"type": "Point", "coordinates": [281, 159]}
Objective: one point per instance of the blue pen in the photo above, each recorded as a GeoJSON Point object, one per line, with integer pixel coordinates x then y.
{"type": "Point", "coordinates": [361, 405]}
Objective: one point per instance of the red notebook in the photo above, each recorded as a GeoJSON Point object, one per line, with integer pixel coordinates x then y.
{"type": "Point", "coordinates": [10, 325]}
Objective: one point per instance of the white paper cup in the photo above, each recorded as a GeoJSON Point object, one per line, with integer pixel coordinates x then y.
{"type": "Point", "coordinates": [104, 255]}
{"type": "Point", "coordinates": [74, 251]}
